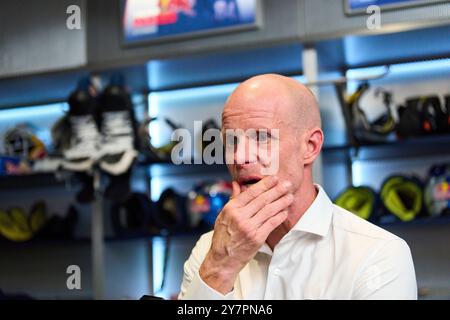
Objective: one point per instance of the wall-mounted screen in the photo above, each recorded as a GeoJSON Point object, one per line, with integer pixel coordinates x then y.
{"type": "Point", "coordinates": [165, 20]}
{"type": "Point", "coordinates": [359, 6]}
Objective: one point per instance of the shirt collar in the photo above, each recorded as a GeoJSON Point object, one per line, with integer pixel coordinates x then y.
{"type": "Point", "coordinates": [317, 217]}
{"type": "Point", "coordinates": [315, 220]}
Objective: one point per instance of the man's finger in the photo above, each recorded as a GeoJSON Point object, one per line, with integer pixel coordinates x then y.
{"type": "Point", "coordinates": [271, 224]}
{"type": "Point", "coordinates": [267, 198]}
{"type": "Point", "coordinates": [271, 210]}
{"type": "Point", "coordinates": [236, 189]}
{"type": "Point", "coordinates": [255, 190]}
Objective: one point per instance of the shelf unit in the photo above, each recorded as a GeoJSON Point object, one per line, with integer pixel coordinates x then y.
{"type": "Point", "coordinates": [429, 145]}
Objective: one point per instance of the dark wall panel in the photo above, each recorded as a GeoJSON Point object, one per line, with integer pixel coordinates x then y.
{"type": "Point", "coordinates": [34, 37]}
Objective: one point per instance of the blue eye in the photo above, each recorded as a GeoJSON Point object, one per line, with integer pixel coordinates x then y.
{"type": "Point", "coordinates": [263, 136]}
{"type": "Point", "coordinates": [231, 140]}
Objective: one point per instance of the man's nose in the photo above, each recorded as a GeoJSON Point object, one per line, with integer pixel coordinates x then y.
{"type": "Point", "coordinates": [246, 151]}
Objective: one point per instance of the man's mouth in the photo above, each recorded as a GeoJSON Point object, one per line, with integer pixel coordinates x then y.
{"type": "Point", "coordinates": [247, 182]}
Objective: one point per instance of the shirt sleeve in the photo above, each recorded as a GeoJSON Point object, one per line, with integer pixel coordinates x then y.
{"type": "Point", "coordinates": [387, 274]}
{"type": "Point", "coordinates": [192, 286]}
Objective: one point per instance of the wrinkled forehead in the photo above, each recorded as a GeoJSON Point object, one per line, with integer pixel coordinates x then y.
{"type": "Point", "coordinates": [256, 109]}
{"type": "Point", "coordinates": [249, 117]}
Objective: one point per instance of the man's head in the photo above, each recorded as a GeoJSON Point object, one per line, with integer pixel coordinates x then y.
{"type": "Point", "coordinates": [273, 102]}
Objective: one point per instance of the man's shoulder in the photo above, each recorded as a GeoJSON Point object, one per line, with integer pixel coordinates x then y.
{"type": "Point", "coordinates": [206, 237]}
{"type": "Point", "coordinates": [201, 248]}
{"type": "Point", "coordinates": [204, 242]}
{"type": "Point", "coordinates": [347, 222]}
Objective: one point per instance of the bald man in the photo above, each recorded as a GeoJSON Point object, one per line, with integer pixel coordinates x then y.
{"type": "Point", "coordinates": [280, 236]}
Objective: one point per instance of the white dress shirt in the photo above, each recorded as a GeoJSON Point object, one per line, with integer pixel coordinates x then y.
{"type": "Point", "coordinates": [329, 254]}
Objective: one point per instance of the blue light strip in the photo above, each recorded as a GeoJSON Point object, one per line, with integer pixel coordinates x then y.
{"type": "Point", "coordinates": [357, 173]}
{"type": "Point", "coordinates": [33, 112]}
{"type": "Point", "coordinates": [158, 248]}
{"type": "Point", "coordinates": [412, 70]}
{"type": "Point", "coordinates": [156, 187]}
{"type": "Point", "coordinates": [422, 66]}
{"type": "Point", "coordinates": [403, 68]}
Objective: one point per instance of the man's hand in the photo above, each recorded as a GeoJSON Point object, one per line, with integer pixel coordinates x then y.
{"type": "Point", "coordinates": [241, 229]}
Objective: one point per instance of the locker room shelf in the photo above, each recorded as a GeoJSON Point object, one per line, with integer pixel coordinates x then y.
{"type": "Point", "coordinates": [26, 181]}
{"type": "Point", "coordinates": [411, 147]}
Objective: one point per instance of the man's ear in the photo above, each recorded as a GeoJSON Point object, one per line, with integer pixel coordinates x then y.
{"type": "Point", "coordinates": [314, 142]}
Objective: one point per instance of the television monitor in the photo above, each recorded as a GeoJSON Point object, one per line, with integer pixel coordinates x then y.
{"type": "Point", "coordinates": [146, 21]}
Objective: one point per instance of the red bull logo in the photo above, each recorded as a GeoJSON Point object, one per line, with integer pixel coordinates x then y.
{"type": "Point", "coordinates": [442, 191]}
{"type": "Point", "coordinates": [162, 12]}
